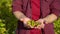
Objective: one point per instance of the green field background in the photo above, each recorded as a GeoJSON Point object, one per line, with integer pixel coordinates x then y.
{"type": "Point", "coordinates": [8, 22]}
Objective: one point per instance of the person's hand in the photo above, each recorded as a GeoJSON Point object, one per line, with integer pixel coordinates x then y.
{"type": "Point", "coordinates": [41, 25]}
{"type": "Point", "coordinates": [25, 21]}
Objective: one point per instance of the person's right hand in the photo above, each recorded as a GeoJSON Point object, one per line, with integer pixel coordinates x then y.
{"type": "Point", "coordinates": [25, 21]}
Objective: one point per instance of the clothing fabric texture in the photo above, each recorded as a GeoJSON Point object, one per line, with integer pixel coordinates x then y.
{"type": "Point", "coordinates": [35, 6]}
{"type": "Point", "coordinates": [47, 7]}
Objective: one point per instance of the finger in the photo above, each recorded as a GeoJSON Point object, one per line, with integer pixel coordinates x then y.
{"type": "Point", "coordinates": [38, 27]}
{"type": "Point", "coordinates": [42, 25]}
{"type": "Point", "coordinates": [26, 25]}
{"type": "Point", "coordinates": [30, 26]}
{"type": "Point", "coordinates": [41, 20]}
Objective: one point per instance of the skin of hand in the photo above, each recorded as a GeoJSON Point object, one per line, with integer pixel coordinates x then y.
{"type": "Point", "coordinates": [20, 16]}
{"type": "Point", "coordinates": [41, 25]}
{"type": "Point", "coordinates": [49, 19]}
{"type": "Point", "coordinates": [25, 21]}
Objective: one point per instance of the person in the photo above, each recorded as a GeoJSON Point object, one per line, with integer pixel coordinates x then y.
{"type": "Point", "coordinates": [42, 11]}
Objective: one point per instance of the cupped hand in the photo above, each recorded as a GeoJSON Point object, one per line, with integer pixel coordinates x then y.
{"type": "Point", "coordinates": [25, 21]}
{"type": "Point", "coordinates": [41, 21]}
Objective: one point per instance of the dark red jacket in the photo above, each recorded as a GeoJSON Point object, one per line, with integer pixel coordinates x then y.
{"type": "Point", "coordinates": [47, 7]}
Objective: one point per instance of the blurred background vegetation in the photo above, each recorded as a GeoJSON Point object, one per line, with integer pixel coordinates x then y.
{"type": "Point", "coordinates": [8, 22]}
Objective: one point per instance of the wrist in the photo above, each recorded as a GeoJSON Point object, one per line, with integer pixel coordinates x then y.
{"type": "Point", "coordinates": [22, 19]}
{"type": "Point", "coordinates": [43, 25]}
{"type": "Point", "coordinates": [45, 21]}
{"type": "Point", "coordinates": [50, 18]}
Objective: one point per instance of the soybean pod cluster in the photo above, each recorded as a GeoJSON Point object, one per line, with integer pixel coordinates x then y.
{"type": "Point", "coordinates": [33, 23]}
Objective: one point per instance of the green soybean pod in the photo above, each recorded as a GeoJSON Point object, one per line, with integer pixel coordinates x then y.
{"type": "Point", "coordinates": [32, 22]}
{"type": "Point", "coordinates": [29, 22]}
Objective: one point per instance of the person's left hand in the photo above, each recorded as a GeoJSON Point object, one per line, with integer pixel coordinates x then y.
{"type": "Point", "coordinates": [41, 25]}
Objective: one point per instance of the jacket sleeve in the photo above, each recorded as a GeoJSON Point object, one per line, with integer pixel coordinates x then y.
{"type": "Point", "coordinates": [55, 6]}
{"type": "Point", "coordinates": [17, 5]}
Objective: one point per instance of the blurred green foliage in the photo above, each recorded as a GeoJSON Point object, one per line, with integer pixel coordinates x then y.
{"type": "Point", "coordinates": [7, 19]}
{"type": "Point", "coordinates": [57, 26]}
{"type": "Point", "coordinates": [8, 22]}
